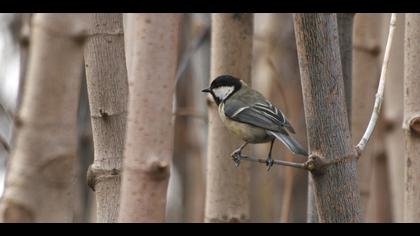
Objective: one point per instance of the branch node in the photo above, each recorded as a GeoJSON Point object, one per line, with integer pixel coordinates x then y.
{"type": "Point", "coordinates": [103, 114]}
{"type": "Point", "coordinates": [315, 163]}
{"type": "Point", "coordinates": [358, 152]}
{"type": "Point", "coordinates": [414, 124]}
{"type": "Point", "coordinates": [158, 169]}
{"type": "Point", "coordinates": [91, 179]}
{"type": "Point", "coordinates": [95, 174]}
{"type": "Point", "coordinates": [14, 212]}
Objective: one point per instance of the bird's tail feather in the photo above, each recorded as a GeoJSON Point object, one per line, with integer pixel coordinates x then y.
{"type": "Point", "coordinates": [290, 142]}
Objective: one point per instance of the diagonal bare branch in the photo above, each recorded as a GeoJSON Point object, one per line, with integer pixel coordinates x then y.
{"type": "Point", "coordinates": [380, 94]}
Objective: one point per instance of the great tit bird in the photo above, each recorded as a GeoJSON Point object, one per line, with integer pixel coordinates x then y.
{"type": "Point", "coordinates": [250, 116]}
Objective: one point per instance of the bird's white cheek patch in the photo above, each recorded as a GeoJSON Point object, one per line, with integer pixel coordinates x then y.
{"type": "Point", "coordinates": [223, 92]}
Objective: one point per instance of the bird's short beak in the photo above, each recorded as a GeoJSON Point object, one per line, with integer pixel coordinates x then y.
{"type": "Point", "coordinates": [207, 90]}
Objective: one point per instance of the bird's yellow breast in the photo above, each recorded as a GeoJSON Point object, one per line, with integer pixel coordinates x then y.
{"type": "Point", "coordinates": [246, 132]}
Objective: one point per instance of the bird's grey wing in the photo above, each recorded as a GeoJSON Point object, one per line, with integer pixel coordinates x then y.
{"type": "Point", "coordinates": [275, 114]}
{"type": "Point", "coordinates": [256, 114]}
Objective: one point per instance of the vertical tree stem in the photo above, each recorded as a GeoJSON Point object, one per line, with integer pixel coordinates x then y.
{"type": "Point", "coordinates": [150, 124]}
{"type": "Point", "coordinates": [336, 190]}
{"type": "Point", "coordinates": [106, 76]}
{"type": "Point", "coordinates": [411, 123]}
{"type": "Point", "coordinates": [227, 193]}
{"type": "Point", "coordinates": [40, 179]}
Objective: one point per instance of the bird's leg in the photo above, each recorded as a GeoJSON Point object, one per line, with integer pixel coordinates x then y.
{"type": "Point", "coordinates": [236, 155]}
{"type": "Point", "coordinates": [269, 162]}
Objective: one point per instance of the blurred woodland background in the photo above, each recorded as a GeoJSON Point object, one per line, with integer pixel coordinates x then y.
{"type": "Point", "coordinates": [64, 106]}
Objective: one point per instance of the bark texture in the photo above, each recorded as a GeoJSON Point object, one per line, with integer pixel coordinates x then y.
{"type": "Point", "coordinates": [107, 84]}
{"type": "Point", "coordinates": [345, 33]}
{"type": "Point", "coordinates": [40, 177]}
{"type": "Point", "coordinates": [336, 192]}
{"type": "Point", "coordinates": [412, 117]}
{"type": "Point", "coordinates": [227, 193]}
{"type": "Point", "coordinates": [150, 124]}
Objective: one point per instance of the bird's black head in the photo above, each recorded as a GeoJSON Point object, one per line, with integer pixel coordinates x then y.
{"type": "Point", "coordinates": [223, 87]}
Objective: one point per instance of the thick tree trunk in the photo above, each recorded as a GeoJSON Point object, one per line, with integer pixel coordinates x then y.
{"type": "Point", "coordinates": [106, 76]}
{"type": "Point", "coordinates": [393, 116]}
{"type": "Point", "coordinates": [345, 32]}
{"type": "Point", "coordinates": [411, 123]}
{"type": "Point", "coordinates": [150, 126]}
{"type": "Point", "coordinates": [336, 191]}
{"type": "Point", "coordinates": [227, 193]}
{"type": "Point", "coordinates": [40, 179]}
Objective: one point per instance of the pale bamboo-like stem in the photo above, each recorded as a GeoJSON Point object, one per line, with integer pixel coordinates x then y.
{"type": "Point", "coordinates": [227, 191]}
{"type": "Point", "coordinates": [380, 94]}
{"type": "Point", "coordinates": [40, 179]}
{"type": "Point", "coordinates": [149, 141]}
{"type": "Point", "coordinates": [107, 87]}
{"type": "Point", "coordinates": [411, 209]}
